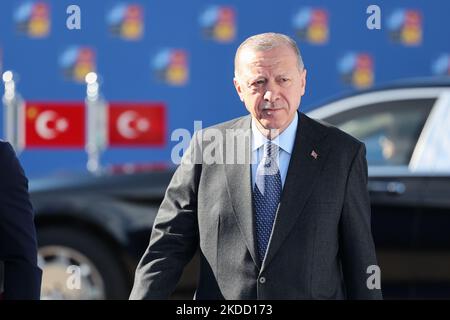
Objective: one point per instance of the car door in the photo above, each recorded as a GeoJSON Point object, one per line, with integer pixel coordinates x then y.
{"type": "Point", "coordinates": [431, 160]}
{"type": "Point", "coordinates": [390, 130]}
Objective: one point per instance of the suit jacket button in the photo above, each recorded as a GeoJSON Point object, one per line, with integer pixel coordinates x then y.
{"type": "Point", "coordinates": [262, 280]}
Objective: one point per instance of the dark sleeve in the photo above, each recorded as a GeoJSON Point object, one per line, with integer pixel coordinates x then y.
{"type": "Point", "coordinates": [356, 242]}
{"type": "Point", "coordinates": [18, 245]}
{"type": "Point", "coordinates": [174, 237]}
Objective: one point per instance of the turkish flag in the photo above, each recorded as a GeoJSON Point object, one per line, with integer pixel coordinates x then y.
{"type": "Point", "coordinates": [54, 125]}
{"type": "Point", "coordinates": [136, 124]}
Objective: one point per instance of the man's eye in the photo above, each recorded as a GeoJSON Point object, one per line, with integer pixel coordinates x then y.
{"type": "Point", "coordinates": [284, 81]}
{"type": "Point", "coordinates": [259, 82]}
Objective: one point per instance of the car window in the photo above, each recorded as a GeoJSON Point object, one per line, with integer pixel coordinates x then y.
{"type": "Point", "coordinates": [433, 153]}
{"type": "Point", "coordinates": [390, 130]}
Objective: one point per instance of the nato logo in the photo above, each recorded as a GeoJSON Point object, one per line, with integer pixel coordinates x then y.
{"type": "Point", "coordinates": [356, 69]}
{"type": "Point", "coordinates": [170, 66]}
{"type": "Point", "coordinates": [311, 25]}
{"type": "Point", "coordinates": [126, 21]}
{"type": "Point", "coordinates": [218, 23]}
{"type": "Point", "coordinates": [33, 19]}
{"type": "Point", "coordinates": [405, 27]}
{"type": "Point", "coordinates": [76, 62]}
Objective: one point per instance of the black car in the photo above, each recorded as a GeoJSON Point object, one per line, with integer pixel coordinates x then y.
{"type": "Point", "coordinates": [101, 224]}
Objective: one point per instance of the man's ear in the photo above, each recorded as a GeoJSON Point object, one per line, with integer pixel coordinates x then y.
{"type": "Point", "coordinates": [303, 81]}
{"type": "Point", "coordinates": [238, 88]}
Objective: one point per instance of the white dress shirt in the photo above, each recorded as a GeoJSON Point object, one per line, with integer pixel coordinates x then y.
{"type": "Point", "coordinates": [285, 142]}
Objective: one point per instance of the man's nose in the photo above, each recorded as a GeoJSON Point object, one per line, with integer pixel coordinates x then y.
{"type": "Point", "coordinates": [271, 94]}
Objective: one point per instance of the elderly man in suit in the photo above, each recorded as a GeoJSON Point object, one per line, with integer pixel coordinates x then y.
{"type": "Point", "coordinates": [290, 221]}
{"type": "Point", "coordinates": [20, 277]}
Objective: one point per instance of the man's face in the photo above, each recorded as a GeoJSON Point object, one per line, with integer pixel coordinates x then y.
{"type": "Point", "coordinates": [271, 86]}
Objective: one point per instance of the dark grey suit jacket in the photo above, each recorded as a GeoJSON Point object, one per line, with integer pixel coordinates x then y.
{"type": "Point", "coordinates": [321, 244]}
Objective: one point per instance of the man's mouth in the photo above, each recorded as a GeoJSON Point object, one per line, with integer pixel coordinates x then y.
{"type": "Point", "coordinates": [271, 110]}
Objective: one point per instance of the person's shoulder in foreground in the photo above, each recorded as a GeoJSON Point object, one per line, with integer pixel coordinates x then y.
{"type": "Point", "coordinates": [21, 276]}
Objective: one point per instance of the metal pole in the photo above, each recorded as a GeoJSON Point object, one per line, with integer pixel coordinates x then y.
{"type": "Point", "coordinates": [13, 105]}
{"type": "Point", "coordinates": [96, 124]}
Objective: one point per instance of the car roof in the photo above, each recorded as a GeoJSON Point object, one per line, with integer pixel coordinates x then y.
{"type": "Point", "coordinates": [409, 83]}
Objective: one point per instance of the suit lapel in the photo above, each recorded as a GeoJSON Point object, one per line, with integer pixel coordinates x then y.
{"type": "Point", "coordinates": [307, 159]}
{"type": "Point", "coordinates": [239, 188]}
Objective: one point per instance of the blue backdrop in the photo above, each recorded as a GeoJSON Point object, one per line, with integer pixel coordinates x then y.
{"type": "Point", "coordinates": [336, 44]}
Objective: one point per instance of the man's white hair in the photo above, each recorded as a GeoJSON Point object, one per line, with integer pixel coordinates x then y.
{"type": "Point", "coordinates": [267, 41]}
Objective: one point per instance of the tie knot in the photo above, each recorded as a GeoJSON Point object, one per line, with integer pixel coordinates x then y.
{"type": "Point", "coordinates": [270, 159]}
{"type": "Point", "coordinates": [271, 150]}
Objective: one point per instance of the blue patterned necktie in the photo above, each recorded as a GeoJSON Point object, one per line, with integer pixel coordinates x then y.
{"type": "Point", "coordinates": [266, 196]}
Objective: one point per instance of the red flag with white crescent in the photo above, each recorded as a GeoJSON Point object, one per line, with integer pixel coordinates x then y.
{"type": "Point", "coordinates": [54, 125]}
{"type": "Point", "coordinates": [136, 124]}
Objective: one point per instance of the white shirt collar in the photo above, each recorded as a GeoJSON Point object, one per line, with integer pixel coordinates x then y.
{"type": "Point", "coordinates": [285, 140]}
